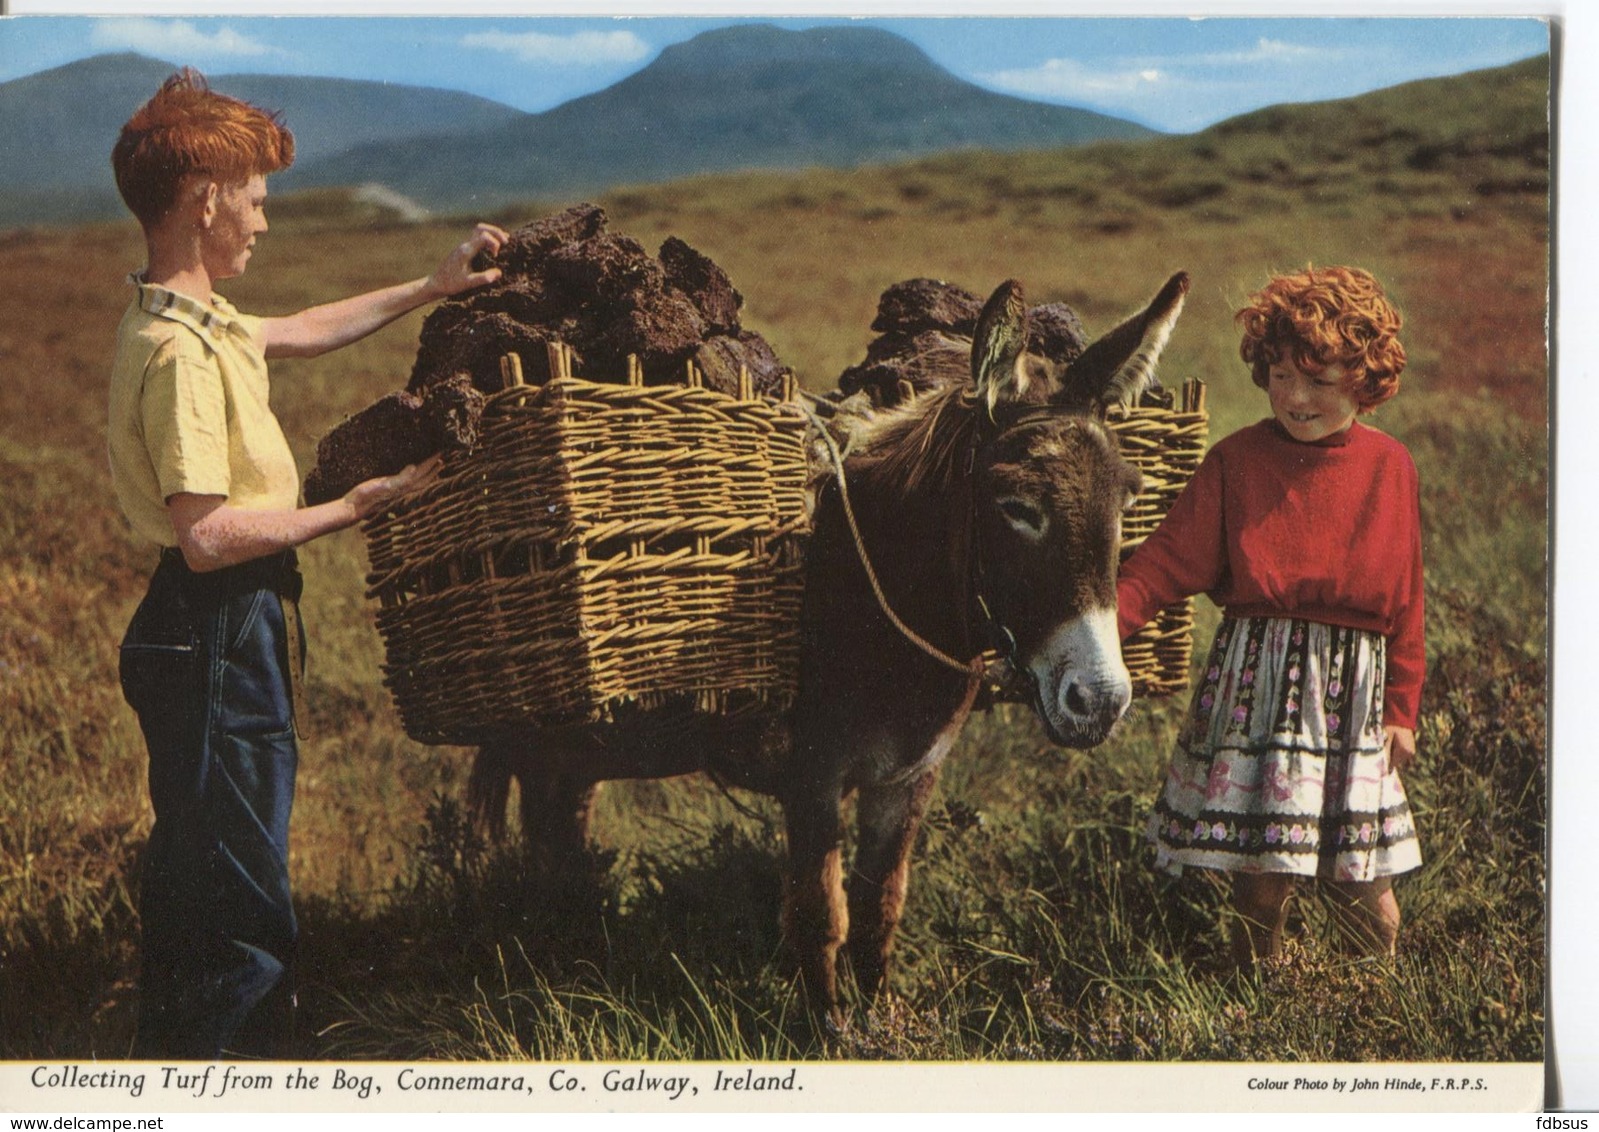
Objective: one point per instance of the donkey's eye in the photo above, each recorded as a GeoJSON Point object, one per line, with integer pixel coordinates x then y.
{"type": "Point", "coordinates": [1022, 515]}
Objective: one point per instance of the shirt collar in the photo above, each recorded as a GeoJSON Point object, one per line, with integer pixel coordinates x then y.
{"type": "Point", "coordinates": [1336, 440]}
{"type": "Point", "coordinates": [217, 317]}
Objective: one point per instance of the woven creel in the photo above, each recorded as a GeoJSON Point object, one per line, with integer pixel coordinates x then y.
{"type": "Point", "coordinates": [605, 544]}
{"type": "Point", "coordinates": [616, 544]}
{"type": "Point", "coordinates": [1166, 438]}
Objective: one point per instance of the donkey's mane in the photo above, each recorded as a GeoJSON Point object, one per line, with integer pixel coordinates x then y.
{"type": "Point", "coordinates": [919, 445]}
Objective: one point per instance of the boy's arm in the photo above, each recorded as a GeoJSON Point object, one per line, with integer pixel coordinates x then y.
{"type": "Point", "coordinates": [316, 330]}
{"type": "Point", "coordinates": [212, 534]}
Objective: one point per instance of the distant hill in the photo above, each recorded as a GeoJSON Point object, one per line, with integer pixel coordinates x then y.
{"type": "Point", "coordinates": [739, 97]}
{"type": "Point", "coordinates": [57, 127]}
{"type": "Point", "coordinates": [759, 97]}
{"type": "Point", "coordinates": [1462, 137]}
{"type": "Point", "coordinates": [1433, 149]}
{"type": "Point", "coordinates": [1434, 122]}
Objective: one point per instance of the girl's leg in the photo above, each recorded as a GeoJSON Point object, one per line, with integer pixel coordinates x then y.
{"type": "Point", "coordinates": [1366, 914]}
{"type": "Point", "coordinates": [1261, 902]}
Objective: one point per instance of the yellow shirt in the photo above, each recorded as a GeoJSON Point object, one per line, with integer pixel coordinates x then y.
{"type": "Point", "coordinates": [189, 411]}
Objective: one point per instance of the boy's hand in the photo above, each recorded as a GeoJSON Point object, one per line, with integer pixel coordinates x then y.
{"type": "Point", "coordinates": [455, 274]}
{"type": "Point", "coordinates": [1400, 745]}
{"type": "Point", "coordinates": [373, 495]}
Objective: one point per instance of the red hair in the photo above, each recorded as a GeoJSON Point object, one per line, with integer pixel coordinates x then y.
{"type": "Point", "coordinates": [1317, 319]}
{"type": "Point", "coordinates": [187, 129]}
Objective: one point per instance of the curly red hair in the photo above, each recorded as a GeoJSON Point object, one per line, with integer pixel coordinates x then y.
{"type": "Point", "coordinates": [1317, 319]}
{"type": "Point", "coordinates": [187, 129]}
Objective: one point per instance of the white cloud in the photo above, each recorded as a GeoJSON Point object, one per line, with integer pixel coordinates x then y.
{"type": "Point", "coordinates": [1174, 91]}
{"type": "Point", "coordinates": [581, 49]}
{"type": "Point", "coordinates": [1069, 79]}
{"type": "Point", "coordinates": [178, 38]}
{"type": "Point", "coordinates": [1265, 51]}
{"type": "Point", "coordinates": [1276, 48]}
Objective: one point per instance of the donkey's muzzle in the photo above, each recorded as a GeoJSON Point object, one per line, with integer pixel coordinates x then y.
{"type": "Point", "coordinates": [1086, 714]}
{"type": "Point", "coordinates": [1081, 685]}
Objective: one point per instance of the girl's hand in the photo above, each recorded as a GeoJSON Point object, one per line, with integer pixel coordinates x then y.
{"type": "Point", "coordinates": [455, 274]}
{"type": "Point", "coordinates": [1399, 744]}
{"type": "Point", "coordinates": [373, 495]}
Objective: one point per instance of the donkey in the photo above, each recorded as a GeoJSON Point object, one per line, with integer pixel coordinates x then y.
{"type": "Point", "coordinates": [989, 510]}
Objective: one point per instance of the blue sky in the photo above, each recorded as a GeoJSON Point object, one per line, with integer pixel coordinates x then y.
{"type": "Point", "coordinates": [1172, 73]}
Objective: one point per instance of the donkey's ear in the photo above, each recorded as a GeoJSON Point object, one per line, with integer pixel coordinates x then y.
{"type": "Point", "coordinates": [1118, 367]}
{"type": "Point", "coordinates": [997, 344]}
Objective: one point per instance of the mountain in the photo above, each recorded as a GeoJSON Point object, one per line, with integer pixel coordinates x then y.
{"type": "Point", "coordinates": [755, 96]}
{"type": "Point", "coordinates": [57, 127]}
{"type": "Point", "coordinates": [751, 96]}
{"type": "Point", "coordinates": [1465, 137]}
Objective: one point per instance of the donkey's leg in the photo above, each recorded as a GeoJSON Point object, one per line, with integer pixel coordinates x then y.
{"type": "Point", "coordinates": [556, 810]}
{"type": "Point", "coordinates": [815, 920]}
{"type": "Point", "coordinates": [888, 818]}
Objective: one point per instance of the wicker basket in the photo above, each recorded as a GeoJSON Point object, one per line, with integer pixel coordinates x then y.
{"type": "Point", "coordinates": [1167, 443]}
{"type": "Point", "coordinates": [609, 545]}
{"type": "Point", "coordinates": [603, 545]}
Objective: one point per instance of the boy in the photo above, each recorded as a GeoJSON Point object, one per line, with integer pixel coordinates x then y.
{"type": "Point", "coordinates": [212, 658]}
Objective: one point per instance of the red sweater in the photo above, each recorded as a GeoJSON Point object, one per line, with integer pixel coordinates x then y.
{"type": "Point", "coordinates": [1272, 527]}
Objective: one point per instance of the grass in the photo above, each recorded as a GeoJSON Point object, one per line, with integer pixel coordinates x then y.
{"type": "Point", "coordinates": [1036, 927]}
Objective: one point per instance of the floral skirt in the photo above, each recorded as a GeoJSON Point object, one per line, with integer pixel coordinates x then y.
{"type": "Point", "coordinates": [1280, 767]}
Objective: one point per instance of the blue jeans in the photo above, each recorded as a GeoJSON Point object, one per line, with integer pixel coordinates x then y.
{"type": "Point", "coordinates": [205, 665]}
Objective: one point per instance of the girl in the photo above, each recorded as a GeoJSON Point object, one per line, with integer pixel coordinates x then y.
{"type": "Point", "coordinates": [1305, 529]}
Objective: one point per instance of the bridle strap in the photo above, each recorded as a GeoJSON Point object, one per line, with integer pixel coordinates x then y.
{"type": "Point", "coordinates": [994, 665]}
{"type": "Point", "coordinates": [975, 668]}
{"type": "Point", "coordinates": [1001, 641]}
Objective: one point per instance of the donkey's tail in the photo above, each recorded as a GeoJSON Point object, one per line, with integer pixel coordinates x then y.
{"type": "Point", "coordinates": [488, 789]}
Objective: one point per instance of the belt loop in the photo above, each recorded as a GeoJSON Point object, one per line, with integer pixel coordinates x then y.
{"type": "Point", "coordinates": [294, 638]}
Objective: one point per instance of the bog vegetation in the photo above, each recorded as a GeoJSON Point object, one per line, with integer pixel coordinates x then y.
{"type": "Point", "coordinates": [1036, 927]}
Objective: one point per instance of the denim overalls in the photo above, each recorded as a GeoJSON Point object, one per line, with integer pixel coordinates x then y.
{"type": "Point", "coordinates": [205, 664]}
